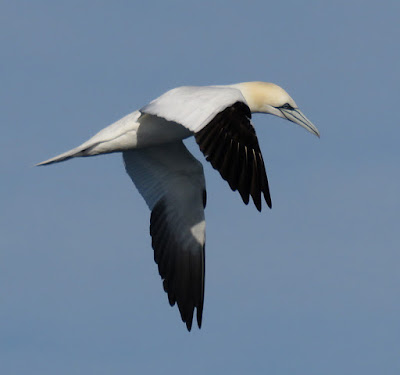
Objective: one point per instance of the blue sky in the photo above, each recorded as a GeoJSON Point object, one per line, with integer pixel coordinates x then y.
{"type": "Point", "coordinates": [309, 287]}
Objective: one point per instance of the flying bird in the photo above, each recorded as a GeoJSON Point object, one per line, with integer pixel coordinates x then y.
{"type": "Point", "coordinates": [171, 179]}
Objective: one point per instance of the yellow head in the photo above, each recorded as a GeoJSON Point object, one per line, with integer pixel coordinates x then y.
{"type": "Point", "coordinates": [266, 97]}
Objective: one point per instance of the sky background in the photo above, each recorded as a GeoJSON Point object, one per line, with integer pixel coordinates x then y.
{"type": "Point", "coordinates": [309, 287]}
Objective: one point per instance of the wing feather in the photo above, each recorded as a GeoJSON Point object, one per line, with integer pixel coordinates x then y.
{"type": "Point", "coordinates": [230, 144]}
{"type": "Point", "coordinates": [172, 183]}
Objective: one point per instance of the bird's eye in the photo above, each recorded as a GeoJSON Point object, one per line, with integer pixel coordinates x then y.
{"type": "Point", "coordinates": [287, 106]}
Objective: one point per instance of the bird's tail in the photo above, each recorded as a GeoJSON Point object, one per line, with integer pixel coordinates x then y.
{"type": "Point", "coordinates": [119, 136]}
{"type": "Point", "coordinates": [75, 152]}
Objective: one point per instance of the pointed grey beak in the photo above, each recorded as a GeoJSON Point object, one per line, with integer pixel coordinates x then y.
{"type": "Point", "coordinates": [296, 116]}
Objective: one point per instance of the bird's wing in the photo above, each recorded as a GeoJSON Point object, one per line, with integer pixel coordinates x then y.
{"type": "Point", "coordinates": [219, 117]}
{"type": "Point", "coordinates": [230, 144]}
{"type": "Point", "coordinates": [172, 183]}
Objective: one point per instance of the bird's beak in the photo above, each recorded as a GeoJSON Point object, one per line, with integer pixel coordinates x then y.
{"type": "Point", "coordinates": [296, 116]}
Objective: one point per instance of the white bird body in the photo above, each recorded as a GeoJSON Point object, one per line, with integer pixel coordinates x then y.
{"type": "Point", "coordinates": [172, 181]}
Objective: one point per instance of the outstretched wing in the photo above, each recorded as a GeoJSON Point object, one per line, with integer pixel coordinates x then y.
{"type": "Point", "coordinates": [219, 117]}
{"type": "Point", "coordinates": [172, 183]}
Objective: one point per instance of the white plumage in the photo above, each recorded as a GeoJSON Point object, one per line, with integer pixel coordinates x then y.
{"type": "Point", "coordinates": [172, 181]}
{"type": "Point", "coordinates": [197, 105]}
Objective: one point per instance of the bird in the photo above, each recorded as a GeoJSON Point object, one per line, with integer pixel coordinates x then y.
{"type": "Point", "coordinates": [171, 180]}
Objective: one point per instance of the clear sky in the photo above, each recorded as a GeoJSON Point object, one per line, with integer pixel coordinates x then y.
{"type": "Point", "coordinates": [309, 287]}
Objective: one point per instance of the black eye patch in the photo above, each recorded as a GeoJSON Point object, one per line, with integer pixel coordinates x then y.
{"type": "Point", "coordinates": [286, 106]}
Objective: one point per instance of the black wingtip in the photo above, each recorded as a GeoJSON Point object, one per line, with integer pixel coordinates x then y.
{"type": "Point", "coordinates": [267, 198]}
{"type": "Point", "coordinates": [245, 197]}
{"type": "Point", "coordinates": [189, 321]}
{"type": "Point", "coordinates": [199, 316]}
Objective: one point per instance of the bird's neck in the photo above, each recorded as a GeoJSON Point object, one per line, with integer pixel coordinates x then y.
{"type": "Point", "coordinates": [254, 94]}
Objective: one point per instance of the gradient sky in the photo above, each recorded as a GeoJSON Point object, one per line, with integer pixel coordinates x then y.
{"type": "Point", "coordinates": [309, 287]}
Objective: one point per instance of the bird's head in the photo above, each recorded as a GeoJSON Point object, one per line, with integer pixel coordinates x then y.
{"type": "Point", "coordinates": [265, 97]}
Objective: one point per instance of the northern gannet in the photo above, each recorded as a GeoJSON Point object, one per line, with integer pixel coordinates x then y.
{"type": "Point", "coordinates": [172, 181]}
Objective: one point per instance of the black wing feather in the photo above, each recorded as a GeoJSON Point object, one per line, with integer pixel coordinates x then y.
{"type": "Point", "coordinates": [229, 142]}
{"type": "Point", "coordinates": [182, 270]}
